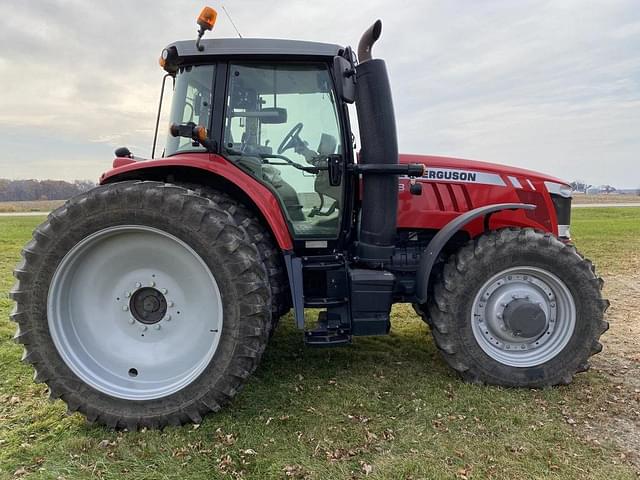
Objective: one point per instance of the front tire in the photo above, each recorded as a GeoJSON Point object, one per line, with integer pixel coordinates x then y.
{"type": "Point", "coordinates": [142, 304]}
{"type": "Point", "coordinates": [518, 308]}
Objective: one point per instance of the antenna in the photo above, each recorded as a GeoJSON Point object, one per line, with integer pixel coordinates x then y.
{"type": "Point", "coordinates": [231, 20]}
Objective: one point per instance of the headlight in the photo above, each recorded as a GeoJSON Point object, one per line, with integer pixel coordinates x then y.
{"type": "Point", "coordinates": [558, 189]}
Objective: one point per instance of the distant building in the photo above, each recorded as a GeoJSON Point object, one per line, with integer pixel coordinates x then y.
{"type": "Point", "coordinates": [602, 189]}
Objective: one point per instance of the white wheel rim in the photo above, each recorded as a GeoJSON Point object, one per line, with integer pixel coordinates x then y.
{"type": "Point", "coordinates": [101, 315]}
{"type": "Point", "coordinates": [524, 284]}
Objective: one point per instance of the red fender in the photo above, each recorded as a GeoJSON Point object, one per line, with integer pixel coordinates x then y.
{"type": "Point", "coordinates": [262, 197]}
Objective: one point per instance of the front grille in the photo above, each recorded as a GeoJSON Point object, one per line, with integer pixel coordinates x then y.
{"type": "Point", "coordinates": [563, 208]}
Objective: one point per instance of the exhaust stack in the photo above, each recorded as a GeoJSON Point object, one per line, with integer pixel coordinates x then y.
{"type": "Point", "coordinates": [379, 146]}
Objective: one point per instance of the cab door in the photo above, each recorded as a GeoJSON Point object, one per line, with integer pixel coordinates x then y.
{"type": "Point", "coordinates": [282, 126]}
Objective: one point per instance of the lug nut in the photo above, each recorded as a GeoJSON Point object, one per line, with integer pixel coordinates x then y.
{"type": "Point", "coordinates": [132, 321]}
{"type": "Point", "coordinates": [152, 284]}
{"type": "Point", "coordinates": [128, 294]}
{"type": "Point", "coordinates": [503, 304]}
{"type": "Point", "coordinates": [499, 315]}
{"type": "Point", "coordinates": [138, 284]}
{"type": "Point", "coordinates": [125, 308]}
{"type": "Point", "coordinates": [143, 328]}
{"type": "Point", "coordinates": [164, 291]}
{"type": "Point", "coordinates": [170, 303]}
{"type": "Point", "coordinates": [157, 326]}
{"type": "Point", "coordinates": [168, 318]}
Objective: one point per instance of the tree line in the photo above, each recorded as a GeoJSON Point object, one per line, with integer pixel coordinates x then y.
{"type": "Point", "coordinates": [20, 190]}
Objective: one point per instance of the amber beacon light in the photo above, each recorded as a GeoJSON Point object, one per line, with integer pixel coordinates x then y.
{"type": "Point", "coordinates": [207, 18]}
{"type": "Point", "coordinates": [206, 21]}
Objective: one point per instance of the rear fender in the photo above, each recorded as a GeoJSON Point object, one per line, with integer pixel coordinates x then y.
{"type": "Point", "coordinates": [437, 243]}
{"type": "Point", "coordinates": [212, 170]}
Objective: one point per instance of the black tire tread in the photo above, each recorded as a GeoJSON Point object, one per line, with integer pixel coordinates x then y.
{"type": "Point", "coordinates": [262, 238]}
{"type": "Point", "coordinates": [453, 286]}
{"type": "Point", "coordinates": [202, 215]}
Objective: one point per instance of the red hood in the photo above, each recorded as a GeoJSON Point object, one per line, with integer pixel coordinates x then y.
{"type": "Point", "coordinates": [461, 163]}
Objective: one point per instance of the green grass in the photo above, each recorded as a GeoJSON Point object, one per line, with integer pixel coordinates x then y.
{"type": "Point", "coordinates": [387, 402]}
{"type": "Point", "coordinates": [609, 236]}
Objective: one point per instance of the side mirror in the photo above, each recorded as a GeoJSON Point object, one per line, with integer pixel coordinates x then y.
{"type": "Point", "coordinates": [345, 74]}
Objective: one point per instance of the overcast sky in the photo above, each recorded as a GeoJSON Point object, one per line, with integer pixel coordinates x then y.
{"type": "Point", "coordinates": [548, 85]}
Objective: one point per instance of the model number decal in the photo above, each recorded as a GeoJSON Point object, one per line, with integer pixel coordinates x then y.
{"type": "Point", "coordinates": [461, 176]}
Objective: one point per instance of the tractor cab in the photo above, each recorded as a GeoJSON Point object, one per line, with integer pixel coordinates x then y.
{"type": "Point", "coordinates": [272, 109]}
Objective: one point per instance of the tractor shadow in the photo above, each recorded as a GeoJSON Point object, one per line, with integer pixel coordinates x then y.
{"type": "Point", "coordinates": [292, 373]}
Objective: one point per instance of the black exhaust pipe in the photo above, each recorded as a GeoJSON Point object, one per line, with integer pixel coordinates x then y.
{"type": "Point", "coordinates": [379, 146]}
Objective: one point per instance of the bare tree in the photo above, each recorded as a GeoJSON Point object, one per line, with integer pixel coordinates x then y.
{"type": "Point", "coordinates": [20, 190]}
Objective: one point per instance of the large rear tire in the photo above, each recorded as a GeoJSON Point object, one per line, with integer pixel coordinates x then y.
{"type": "Point", "coordinates": [518, 308]}
{"type": "Point", "coordinates": [263, 240]}
{"type": "Point", "coordinates": [142, 304]}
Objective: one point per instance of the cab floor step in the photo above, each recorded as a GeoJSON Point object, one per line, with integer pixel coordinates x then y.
{"type": "Point", "coordinates": [324, 302]}
{"type": "Point", "coordinates": [326, 339]}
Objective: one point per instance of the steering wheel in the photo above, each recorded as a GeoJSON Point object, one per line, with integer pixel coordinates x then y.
{"type": "Point", "coordinates": [291, 139]}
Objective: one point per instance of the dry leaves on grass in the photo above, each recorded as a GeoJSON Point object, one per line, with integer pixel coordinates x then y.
{"type": "Point", "coordinates": [297, 472]}
{"type": "Point", "coordinates": [464, 473]}
{"type": "Point", "coordinates": [20, 472]}
{"type": "Point", "coordinates": [366, 467]}
{"type": "Point", "coordinates": [225, 439]}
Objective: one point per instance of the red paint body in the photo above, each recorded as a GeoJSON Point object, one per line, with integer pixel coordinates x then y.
{"type": "Point", "coordinates": [264, 199]}
{"type": "Point", "coordinates": [441, 200]}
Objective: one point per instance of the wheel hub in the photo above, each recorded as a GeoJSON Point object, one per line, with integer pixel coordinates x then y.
{"type": "Point", "coordinates": [525, 319]}
{"type": "Point", "coordinates": [148, 305]}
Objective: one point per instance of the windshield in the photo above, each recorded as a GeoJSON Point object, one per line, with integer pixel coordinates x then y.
{"type": "Point", "coordinates": [192, 99]}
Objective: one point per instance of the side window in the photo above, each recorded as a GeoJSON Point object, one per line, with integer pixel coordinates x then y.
{"type": "Point", "coordinates": [281, 126]}
{"type": "Point", "coordinates": [191, 102]}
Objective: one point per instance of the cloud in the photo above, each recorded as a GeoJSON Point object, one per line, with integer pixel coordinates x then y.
{"type": "Point", "coordinates": [553, 86]}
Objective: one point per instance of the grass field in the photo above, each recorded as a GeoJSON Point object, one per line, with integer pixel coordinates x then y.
{"type": "Point", "coordinates": [30, 206]}
{"type": "Point", "coordinates": [605, 198]}
{"type": "Point", "coordinates": [384, 407]}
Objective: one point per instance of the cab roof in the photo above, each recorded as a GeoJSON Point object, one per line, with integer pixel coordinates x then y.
{"type": "Point", "coordinates": [252, 47]}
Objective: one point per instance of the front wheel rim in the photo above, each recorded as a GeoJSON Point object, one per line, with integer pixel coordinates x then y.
{"type": "Point", "coordinates": [135, 312]}
{"type": "Point", "coordinates": [530, 287]}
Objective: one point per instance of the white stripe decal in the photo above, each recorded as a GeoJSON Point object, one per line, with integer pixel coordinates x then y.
{"type": "Point", "coordinates": [460, 176]}
{"type": "Point", "coordinates": [515, 182]}
{"type": "Point", "coordinates": [531, 184]}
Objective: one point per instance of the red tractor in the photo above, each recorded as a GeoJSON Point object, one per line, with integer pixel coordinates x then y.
{"type": "Point", "coordinates": [150, 299]}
